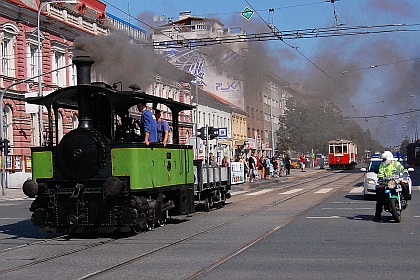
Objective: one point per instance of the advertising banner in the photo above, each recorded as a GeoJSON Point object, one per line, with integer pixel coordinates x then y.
{"type": "Point", "coordinates": [237, 172]}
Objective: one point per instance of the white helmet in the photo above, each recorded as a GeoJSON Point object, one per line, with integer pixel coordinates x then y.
{"type": "Point", "coordinates": [387, 157]}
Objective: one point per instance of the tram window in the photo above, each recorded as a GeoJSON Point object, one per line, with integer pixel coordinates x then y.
{"type": "Point", "coordinates": [345, 149]}
{"type": "Point", "coordinates": [331, 149]}
{"type": "Point", "coordinates": [338, 150]}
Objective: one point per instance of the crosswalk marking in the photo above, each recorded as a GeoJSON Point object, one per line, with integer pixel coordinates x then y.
{"type": "Point", "coordinates": [357, 190]}
{"type": "Point", "coordinates": [260, 192]}
{"type": "Point", "coordinates": [324, 190]}
{"type": "Point", "coordinates": [292, 191]}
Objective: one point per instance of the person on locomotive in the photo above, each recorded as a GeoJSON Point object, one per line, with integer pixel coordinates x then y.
{"type": "Point", "coordinates": [148, 127]}
{"type": "Point", "coordinates": [162, 128]}
{"type": "Point", "coordinates": [387, 168]}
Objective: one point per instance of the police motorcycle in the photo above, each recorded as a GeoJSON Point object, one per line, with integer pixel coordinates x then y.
{"type": "Point", "coordinates": [396, 194]}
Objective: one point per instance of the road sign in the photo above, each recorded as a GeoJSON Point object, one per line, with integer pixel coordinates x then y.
{"type": "Point", "coordinates": [247, 13]}
{"type": "Point", "coordinates": [223, 133]}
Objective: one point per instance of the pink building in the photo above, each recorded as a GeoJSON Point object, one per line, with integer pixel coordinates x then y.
{"type": "Point", "coordinates": [59, 24]}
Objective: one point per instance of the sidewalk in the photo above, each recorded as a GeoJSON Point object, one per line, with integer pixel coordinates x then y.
{"type": "Point", "coordinates": [294, 173]}
{"type": "Point", "coordinates": [12, 193]}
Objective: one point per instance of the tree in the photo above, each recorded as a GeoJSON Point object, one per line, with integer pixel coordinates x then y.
{"type": "Point", "coordinates": [309, 127]}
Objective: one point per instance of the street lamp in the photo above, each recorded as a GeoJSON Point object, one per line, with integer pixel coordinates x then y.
{"type": "Point", "coordinates": [41, 6]}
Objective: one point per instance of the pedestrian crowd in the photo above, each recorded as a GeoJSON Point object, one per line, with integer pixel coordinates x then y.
{"type": "Point", "coordinates": [256, 168]}
{"type": "Point", "coordinates": [154, 129]}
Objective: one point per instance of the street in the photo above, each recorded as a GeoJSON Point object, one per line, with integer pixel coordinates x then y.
{"type": "Point", "coordinates": [315, 226]}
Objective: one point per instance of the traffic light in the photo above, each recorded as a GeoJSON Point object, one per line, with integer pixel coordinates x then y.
{"type": "Point", "coordinates": [6, 147]}
{"type": "Point", "coordinates": [4, 144]}
{"type": "Point", "coordinates": [213, 132]}
{"type": "Point", "coordinates": [202, 133]}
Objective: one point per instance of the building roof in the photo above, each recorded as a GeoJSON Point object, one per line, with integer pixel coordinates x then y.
{"type": "Point", "coordinates": [235, 108]}
{"type": "Point", "coordinates": [186, 20]}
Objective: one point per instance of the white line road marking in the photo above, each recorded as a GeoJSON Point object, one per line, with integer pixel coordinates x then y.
{"type": "Point", "coordinates": [324, 190]}
{"type": "Point", "coordinates": [292, 191]}
{"type": "Point", "coordinates": [328, 217]}
{"type": "Point", "coordinates": [357, 190]}
{"type": "Point", "coordinates": [260, 192]}
{"type": "Point", "coordinates": [237, 192]}
{"type": "Point", "coordinates": [348, 208]}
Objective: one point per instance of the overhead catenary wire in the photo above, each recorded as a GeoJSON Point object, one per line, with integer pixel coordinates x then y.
{"type": "Point", "coordinates": [337, 30]}
{"type": "Point", "coordinates": [275, 31]}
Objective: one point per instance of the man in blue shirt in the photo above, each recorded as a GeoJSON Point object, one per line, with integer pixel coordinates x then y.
{"type": "Point", "coordinates": [162, 128]}
{"type": "Point", "coordinates": [148, 127]}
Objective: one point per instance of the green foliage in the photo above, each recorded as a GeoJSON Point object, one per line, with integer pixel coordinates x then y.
{"type": "Point", "coordinates": [308, 127]}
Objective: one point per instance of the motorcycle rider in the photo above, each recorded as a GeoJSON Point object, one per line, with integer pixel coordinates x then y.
{"type": "Point", "coordinates": [387, 168]}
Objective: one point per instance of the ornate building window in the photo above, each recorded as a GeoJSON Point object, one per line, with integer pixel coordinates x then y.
{"type": "Point", "coordinates": [8, 34]}
{"type": "Point", "coordinates": [32, 50]}
{"type": "Point", "coordinates": [34, 129]}
{"type": "Point", "coordinates": [59, 60]}
{"type": "Point", "coordinates": [73, 75]}
{"type": "Point", "coordinates": [60, 132]}
{"type": "Point", "coordinates": [75, 121]}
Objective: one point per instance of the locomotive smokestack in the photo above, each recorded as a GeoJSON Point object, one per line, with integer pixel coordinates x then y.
{"type": "Point", "coordinates": [84, 64]}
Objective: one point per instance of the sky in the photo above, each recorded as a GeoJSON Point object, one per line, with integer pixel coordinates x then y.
{"type": "Point", "coordinates": [368, 75]}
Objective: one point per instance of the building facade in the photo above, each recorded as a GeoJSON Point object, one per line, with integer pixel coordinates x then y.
{"type": "Point", "coordinates": [24, 54]}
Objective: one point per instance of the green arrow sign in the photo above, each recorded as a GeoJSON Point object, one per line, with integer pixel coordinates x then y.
{"type": "Point", "coordinates": [247, 13]}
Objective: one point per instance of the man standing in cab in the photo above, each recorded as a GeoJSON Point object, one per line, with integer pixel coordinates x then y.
{"type": "Point", "coordinates": [148, 127]}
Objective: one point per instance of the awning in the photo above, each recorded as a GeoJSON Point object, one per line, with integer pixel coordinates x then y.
{"type": "Point", "coordinates": [239, 142]}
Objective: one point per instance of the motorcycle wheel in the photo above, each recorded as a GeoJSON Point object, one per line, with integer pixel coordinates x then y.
{"type": "Point", "coordinates": [395, 211]}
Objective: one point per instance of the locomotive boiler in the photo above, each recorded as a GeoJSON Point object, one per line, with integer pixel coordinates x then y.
{"type": "Point", "coordinates": [98, 177]}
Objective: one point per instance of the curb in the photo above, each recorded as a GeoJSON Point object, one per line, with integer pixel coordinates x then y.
{"type": "Point", "coordinates": [264, 182]}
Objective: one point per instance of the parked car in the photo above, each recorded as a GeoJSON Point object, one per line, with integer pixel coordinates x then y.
{"type": "Point", "coordinates": [371, 179]}
{"type": "Point", "coordinates": [295, 163]}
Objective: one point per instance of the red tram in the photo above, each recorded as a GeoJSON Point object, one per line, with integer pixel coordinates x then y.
{"type": "Point", "coordinates": [342, 154]}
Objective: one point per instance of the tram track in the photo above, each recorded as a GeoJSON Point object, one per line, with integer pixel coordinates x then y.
{"type": "Point", "coordinates": [110, 269]}
{"type": "Point", "coordinates": [288, 185]}
{"type": "Point", "coordinates": [224, 259]}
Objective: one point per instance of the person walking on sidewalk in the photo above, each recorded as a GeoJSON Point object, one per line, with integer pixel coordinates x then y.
{"type": "Point", "coordinates": [302, 160]}
{"type": "Point", "coordinates": [252, 164]}
{"type": "Point", "coordinates": [287, 164]}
